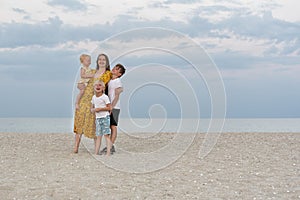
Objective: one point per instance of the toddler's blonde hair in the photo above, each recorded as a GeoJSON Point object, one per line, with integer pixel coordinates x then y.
{"type": "Point", "coordinates": [83, 56]}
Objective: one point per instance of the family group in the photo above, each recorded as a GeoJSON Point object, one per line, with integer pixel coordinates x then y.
{"type": "Point", "coordinates": [98, 103]}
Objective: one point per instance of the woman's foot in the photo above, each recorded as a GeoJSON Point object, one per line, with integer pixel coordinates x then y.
{"type": "Point", "coordinates": [76, 149]}
{"type": "Point", "coordinates": [77, 142]}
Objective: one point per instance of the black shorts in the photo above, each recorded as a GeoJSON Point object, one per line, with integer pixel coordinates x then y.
{"type": "Point", "coordinates": [114, 117]}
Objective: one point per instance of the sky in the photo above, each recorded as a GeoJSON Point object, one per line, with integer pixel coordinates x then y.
{"type": "Point", "coordinates": [246, 56]}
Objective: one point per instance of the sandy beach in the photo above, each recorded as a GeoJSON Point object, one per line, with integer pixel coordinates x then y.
{"type": "Point", "coordinates": [240, 166]}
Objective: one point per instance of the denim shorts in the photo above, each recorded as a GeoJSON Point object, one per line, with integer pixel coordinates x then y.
{"type": "Point", "coordinates": [103, 126]}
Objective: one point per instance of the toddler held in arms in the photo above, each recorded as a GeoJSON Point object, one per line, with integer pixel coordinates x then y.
{"type": "Point", "coordinates": [85, 75]}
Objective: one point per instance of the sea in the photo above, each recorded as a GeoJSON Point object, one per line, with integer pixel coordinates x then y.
{"type": "Point", "coordinates": [139, 125]}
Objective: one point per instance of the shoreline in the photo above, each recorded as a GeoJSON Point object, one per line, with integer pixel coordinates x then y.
{"type": "Point", "coordinates": [240, 166]}
{"type": "Point", "coordinates": [65, 125]}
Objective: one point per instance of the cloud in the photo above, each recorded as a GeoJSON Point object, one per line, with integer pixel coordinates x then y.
{"type": "Point", "coordinates": [234, 42]}
{"type": "Point", "coordinates": [287, 10]}
{"type": "Point", "coordinates": [235, 29]}
{"type": "Point", "coordinates": [36, 64]}
{"type": "Point", "coordinates": [256, 51]}
{"type": "Point", "coordinates": [48, 33]}
{"type": "Point", "coordinates": [71, 5]}
{"type": "Point", "coordinates": [19, 10]}
{"type": "Point", "coordinates": [261, 27]}
{"type": "Point", "coordinates": [19, 34]}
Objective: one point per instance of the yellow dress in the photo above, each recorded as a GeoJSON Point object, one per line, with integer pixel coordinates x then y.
{"type": "Point", "coordinates": [84, 120]}
{"type": "Point", "coordinates": [87, 71]}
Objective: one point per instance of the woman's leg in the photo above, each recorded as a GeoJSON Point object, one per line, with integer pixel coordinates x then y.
{"type": "Point", "coordinates": [77, 142]}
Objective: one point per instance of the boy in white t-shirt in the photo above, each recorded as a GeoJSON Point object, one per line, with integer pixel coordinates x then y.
{"type": "Point", "coordinates": [115, 88]}
{"type": "Point", "coordinates": [101, 107]}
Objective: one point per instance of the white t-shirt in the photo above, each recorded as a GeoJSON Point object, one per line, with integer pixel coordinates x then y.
{"type": "Point", "coordinates": [113, 84]}
{"type": "Point", "coordinates": [100, 102]}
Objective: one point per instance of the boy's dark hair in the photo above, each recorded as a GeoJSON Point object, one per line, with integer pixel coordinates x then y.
{"type": "Point", "coordinates": [121, 69]}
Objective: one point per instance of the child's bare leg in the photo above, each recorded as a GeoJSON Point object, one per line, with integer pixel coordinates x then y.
{"type": "Point", "coordinates": [108, 144]}
{"type": "Point", "coordinates": [81, 88]}
{"type": "Point", "coordinates": [77, 142]}
{"type": "Point", "coordinates": [98, 144]}
{"type": "Point", "coordinates": [113, 135]}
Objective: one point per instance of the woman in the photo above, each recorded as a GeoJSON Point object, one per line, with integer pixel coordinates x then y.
{"type": "Point", "coordinates": [84, 120]}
